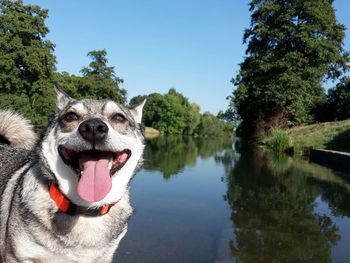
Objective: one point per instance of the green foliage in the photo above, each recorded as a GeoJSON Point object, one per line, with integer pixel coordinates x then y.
{"type": "Point", "coordinates": [68, 82]}
{"type": "Point", "coordinates": [292, 46]}
{"type": "Point", "coordinates": [163, 114]}
{"type": "Point", "coordinates": [230, 114]}
{"type": "Point", "coordinates": [172, 113]}
{"type": "Point", "coordinates": [330, 135]}
{"type": "Point", "coordinates": [26, 61]}
{"type": "Point", "coordinates": [137, 100]}
{"type": "Point", "coordinates": [279, 141]}
{"type": "Point", "coordinates": [211, 126]}
{"type": "Point", "coordinates": [193, 118]}
{"type": "Point", "coordinates": [338, 100]}
{"type": "Point", "coordinates": [98, 80]}
{"type": "Point", "coordinates": [27, 66]}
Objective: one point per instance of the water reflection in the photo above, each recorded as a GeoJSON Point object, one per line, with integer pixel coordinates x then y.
{"type": "Point", "coordinates": [170, 155]}
{"type": "Point", "coordinates": [229, 205]}
{"type": "Point", "coordinates": [273, 210]}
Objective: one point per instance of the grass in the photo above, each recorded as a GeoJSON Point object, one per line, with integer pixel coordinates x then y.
{"type": "Point", "coordinates": [279, 141]}
{"type": "Point", "coordinates": [328, 135]}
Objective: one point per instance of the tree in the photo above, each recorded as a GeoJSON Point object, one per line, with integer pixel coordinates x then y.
{"type": "Point", "coordinates": [137, 100]}
{"type": "Point", "coordinates": [230, 117]}
{"type": "Point", "coordinates": [172, 113]}
{"type": "Point", "coordinates": [180, 112]}
{"type": "Point", "coordinates": [338, 100]}
{"type": "Point", "coordinates": [166, 112]}
{"type": "Point", "coordinates": [212, 126]}
{"type": "Point", "coordinates": [99, 81]}
{"type": "Point", "coordinates": [26, 61]}
{"type": "Point", "coordinates": [193, 118]}
{"type": "Point", "coordinates": [293, 45]}
{"type": "Point", "coordinates": [69, 83]}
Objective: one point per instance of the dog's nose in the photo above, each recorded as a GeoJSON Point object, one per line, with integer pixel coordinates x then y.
{"type": "Point", "coordinates": [93, 130]}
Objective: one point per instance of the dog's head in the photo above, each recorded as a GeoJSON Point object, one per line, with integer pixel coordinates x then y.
{"type": "Point", "coordinates": [92, 148]}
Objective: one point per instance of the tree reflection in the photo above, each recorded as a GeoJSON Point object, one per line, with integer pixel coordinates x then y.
{"type": "Point", "coordinates": [171, 154]}
{"type": "Point", "coordinates": [273, 212]}
{"type": "Point", "coordinates": [337, 198]}
{"type": "Point", "coordinates": [273, 198]}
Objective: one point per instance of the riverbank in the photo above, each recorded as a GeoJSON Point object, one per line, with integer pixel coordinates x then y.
{"type": "Point", "coordinates": [151, 133]}
{"type": "Point", "coordinates": [327, 135]}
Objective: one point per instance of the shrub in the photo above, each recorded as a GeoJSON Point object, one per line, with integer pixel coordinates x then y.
{"type": "Point", "coordinates": [279, 141]}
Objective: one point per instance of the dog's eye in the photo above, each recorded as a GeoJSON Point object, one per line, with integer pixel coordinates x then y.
{"type": "Point", "coordinates": [71, 116]}
{"type": "Point", "coordinates": [119, 117]}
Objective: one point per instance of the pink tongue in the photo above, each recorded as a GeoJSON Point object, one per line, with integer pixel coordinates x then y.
{"type": "Point", "coordinates": [95, 182]}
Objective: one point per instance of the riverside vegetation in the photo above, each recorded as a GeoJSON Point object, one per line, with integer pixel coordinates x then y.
{"type": "Point", "coordinates": [293, 47]}
{"type": "Point", "coordinates": [328, 135]}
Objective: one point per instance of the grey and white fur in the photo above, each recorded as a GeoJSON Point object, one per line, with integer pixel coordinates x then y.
{"type": "Point", "coordinates": [32, 228]}
{"type": "Point", "coordinates": [18, 130]}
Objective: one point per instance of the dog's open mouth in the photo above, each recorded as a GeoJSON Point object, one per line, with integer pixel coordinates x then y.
{"type": "Point", "coordinates": [94, 169]}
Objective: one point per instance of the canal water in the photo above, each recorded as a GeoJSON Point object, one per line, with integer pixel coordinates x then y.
{"type": "Point", "coordinates": [206, 200]}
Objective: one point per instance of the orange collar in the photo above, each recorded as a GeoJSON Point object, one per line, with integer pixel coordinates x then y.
{"type": "Point", "coordinates": [66, 206]}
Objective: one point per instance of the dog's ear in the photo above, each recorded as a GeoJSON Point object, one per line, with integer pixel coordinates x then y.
{"type": "Point", "coordinates": [137, 111]}
{"type": "Point", "coordinates": [62, 98]}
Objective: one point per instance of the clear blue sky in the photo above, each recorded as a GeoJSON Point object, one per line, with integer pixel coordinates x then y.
{"type": "Point", "coordinates": [193, 46]}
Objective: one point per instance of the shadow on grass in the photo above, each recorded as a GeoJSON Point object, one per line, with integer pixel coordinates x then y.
{"type": "Point", "coordinates": [341, 142]}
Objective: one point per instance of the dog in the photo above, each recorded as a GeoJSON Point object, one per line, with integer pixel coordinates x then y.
{"type": "Point", "coordinates": [65, 198]}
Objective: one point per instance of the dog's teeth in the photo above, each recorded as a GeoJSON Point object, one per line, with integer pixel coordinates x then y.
{"type": "Point", "coordinates": [110, 164]}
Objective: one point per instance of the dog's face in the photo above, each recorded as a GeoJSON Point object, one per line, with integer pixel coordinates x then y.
{"type": "Point", "coordinates": [92, 148]}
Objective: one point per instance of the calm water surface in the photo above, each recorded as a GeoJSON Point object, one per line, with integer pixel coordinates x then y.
{"type": "Point", "coordinates": [204, 201]}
